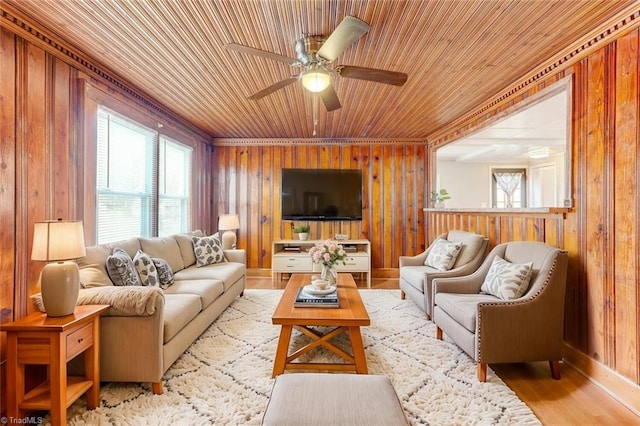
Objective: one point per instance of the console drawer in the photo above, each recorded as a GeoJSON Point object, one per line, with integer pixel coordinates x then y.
{"type": "Point", "coordinates": [354, 263]}
{"type": "Point", "coordinates": [284, 263]}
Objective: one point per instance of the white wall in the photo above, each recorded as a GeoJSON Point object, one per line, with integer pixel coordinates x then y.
{"type": "Point", "coordinates": [552, 190]}
{"type": "Point", "coordinates": [467, 183]}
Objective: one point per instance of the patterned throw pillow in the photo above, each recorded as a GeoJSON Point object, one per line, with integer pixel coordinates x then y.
{"type": "Point", "coordinates": [443, 254]}
{"type": "Point", "coordinates": [121, 269]}
{"type": "Point", "coordinates": [165, 273]}
{"type": "Point", "coordinates": [208, 250]}
{"type": "Point", "coordinates": [146, 269]}
{"type": "Point", "coordinates": [507, 280]}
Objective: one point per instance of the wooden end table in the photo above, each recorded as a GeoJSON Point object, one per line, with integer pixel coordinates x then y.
{"type": "Point", "coordinates": [349, 317]}
{"type": "Point", "coordinates": [53, 341]}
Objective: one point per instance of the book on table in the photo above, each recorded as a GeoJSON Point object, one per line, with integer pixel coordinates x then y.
{"type": "Point", "coordinates": [305, 299]}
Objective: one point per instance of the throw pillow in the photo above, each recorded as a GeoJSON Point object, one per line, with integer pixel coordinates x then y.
{"type": "Point", "coordinates": [121, 269]}
{"type": "Point", "coordinates": [146, 269]}
{"type": "Point", "coordinates": [507, 280]}
{"type": "Point", "coordinates": [165, 273]}
{"type": "Point", "coordinates": [208, 250]}
{"type": "Point", "coordinates": [443, 254]}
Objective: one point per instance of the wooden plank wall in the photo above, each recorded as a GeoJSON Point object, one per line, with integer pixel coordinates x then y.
{"type": "Point", "coordinates": [43, 172]}
{"type": "Point", "coordinates": [602, 231]}
{"type": "Point", "coordinates": [394, 176]}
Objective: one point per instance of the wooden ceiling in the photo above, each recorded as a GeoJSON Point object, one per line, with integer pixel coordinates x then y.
{"type": "Point", "coordinates": [458, 55]}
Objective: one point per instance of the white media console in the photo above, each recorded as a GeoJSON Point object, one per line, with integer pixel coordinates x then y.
{"type": "Point", "coordinates": [292, 256]}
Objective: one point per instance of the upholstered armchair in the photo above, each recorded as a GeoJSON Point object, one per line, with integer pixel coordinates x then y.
{"type": "Point", "coordinates": [416, 277]}
{"type": "Point", "coordinates": [510, 310]}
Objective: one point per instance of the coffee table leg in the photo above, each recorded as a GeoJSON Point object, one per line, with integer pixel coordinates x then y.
{"type": "Point", "coordinates": [358, 350]}
{"type": "Point", "coordinates": [282, 350]}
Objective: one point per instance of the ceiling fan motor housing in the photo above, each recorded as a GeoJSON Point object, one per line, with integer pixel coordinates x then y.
{"type": "Point", "coordinates": [307, 47]}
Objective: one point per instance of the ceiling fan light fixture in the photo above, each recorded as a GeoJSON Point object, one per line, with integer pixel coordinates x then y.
{"type": "Point", "coordinates": [316, 79]}
{"type": "Point", "coordinates": [541, 152]}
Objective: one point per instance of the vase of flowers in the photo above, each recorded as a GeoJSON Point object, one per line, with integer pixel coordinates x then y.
{"type": "Point", "coordinates": [328, 254]}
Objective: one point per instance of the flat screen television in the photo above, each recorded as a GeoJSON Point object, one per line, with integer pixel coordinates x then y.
{"type": "Point", "coordinates": [321, 194]}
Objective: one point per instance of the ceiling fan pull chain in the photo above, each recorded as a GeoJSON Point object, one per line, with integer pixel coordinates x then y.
{"type": "Point", "coordinates": [315, 112]}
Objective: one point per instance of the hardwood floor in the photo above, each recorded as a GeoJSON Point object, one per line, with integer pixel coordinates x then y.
{"type": "Point", "coordinates": [572, 400]}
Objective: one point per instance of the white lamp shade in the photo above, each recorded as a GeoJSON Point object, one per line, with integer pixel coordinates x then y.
{"type": "Point", "coordinates": [228, 222]}
{"type": "Point", "coordinates": [58, 240]}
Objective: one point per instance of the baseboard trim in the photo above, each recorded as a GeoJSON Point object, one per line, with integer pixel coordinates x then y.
{"type": "Point", "coordinates": [258, 272]}
{"type": "Point", "coordinates": [618, 387]}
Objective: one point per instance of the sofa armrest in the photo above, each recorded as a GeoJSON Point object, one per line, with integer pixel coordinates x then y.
{"type": "Point", "coordinates": [467, 284]}
{"type": "Point", "coordinates": [417, 260]}
{"type": "Point", "coordinates": [527, 329]}
{"type": "Point", "coordinates": [236, 255]}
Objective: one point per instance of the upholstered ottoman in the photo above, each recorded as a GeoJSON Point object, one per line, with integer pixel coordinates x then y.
{"type": "Point", "coordinates": [333, 399]}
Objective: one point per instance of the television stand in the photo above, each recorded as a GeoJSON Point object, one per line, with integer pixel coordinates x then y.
{"type": "Point", "coordinates": [292, 256]}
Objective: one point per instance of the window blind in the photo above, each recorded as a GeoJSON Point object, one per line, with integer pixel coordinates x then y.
{"type": "Point", "coordinates": [126, 178]}
{"type": "Point", "coordinates": [174, 187]}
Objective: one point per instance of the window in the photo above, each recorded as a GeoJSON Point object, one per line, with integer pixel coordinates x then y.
{"type": "Point", "coordinates": [174, 187]}
{"type": "Point", "coordinates": [142, 181]}
{"type": "Point", "coordinates": [509, 188]}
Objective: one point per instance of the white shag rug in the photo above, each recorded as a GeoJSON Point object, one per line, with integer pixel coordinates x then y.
{"type": "Point", "coordinates": [224, 378]}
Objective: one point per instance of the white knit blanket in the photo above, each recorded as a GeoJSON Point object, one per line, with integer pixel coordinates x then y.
{"type": "Point", "coordinates": [124, 300]}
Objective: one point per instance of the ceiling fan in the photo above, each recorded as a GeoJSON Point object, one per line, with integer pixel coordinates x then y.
{"type": "Point", "coordinates": [315, 54]}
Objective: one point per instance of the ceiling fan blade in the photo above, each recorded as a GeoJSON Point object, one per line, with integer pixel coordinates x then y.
{"type": "Point", "coordinates": [349, 30]}
{"type": "Point", "coordinates": [258, 52]}
{"type": "Point", "coordinates": [269, 90]}
{"type": "Point", "coordinates": [330, 99]}
{"type": "Point", "coordinates": [372, 74]}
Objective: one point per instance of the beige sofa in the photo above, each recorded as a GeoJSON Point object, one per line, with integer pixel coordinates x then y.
{"type": "Point", "coordinates": [148, 328]}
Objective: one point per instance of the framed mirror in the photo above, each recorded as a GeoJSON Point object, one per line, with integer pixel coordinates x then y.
{"type": "Point", "coordinates": [520, 160]}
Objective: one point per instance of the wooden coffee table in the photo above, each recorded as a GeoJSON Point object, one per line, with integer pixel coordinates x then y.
{"type": "Point", "coordinates": [349, 317]}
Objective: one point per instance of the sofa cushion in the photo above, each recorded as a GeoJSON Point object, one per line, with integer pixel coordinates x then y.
{"type": "Point", "coordinates": [507, 280]}
{"type": "Point", "coordinates": [443, 254]}
{"type": "Point", "coordinates": [165, 273]}
{"type": "Point", "coordinates": [228, 273]}
{"type": "Point", "coordinates": [93, 276]}
{"type": "Point", "coordinates": [471, 243]}
{"type": "Point", "coordinates": [208, 250]}
{"type": "Point", "coordinates": [121, 269]}
{"type": "Point", "coordinates": [463, 308]}
{"type": "Point", "coordinates": [131, 246]}
{"type": "Point", "coordinates": [96, 257]}
{"type": "Point", "coordinates": [414, 275]}
{"type": "Point", "coordinates": [164, 248]}
{"type": "Point", "coordinates": [146, 269]}
{"type": "Point", "coordinates": [185, 244]}
{"type": "Point", "coordinates": [208, 290]}
{"type": "Point", "coordinates": [179, 310]}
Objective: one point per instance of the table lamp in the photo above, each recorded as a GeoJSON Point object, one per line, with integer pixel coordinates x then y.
{"type": "Point", "coordinates": [59, 241]}
{"type": "Point", "coordinates": [228, 223]}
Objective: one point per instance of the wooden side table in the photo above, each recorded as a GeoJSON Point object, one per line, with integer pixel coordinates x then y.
{"type": "Point", "coordinates": [41, 340]}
